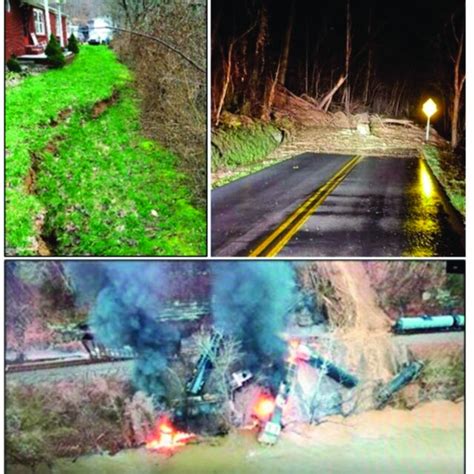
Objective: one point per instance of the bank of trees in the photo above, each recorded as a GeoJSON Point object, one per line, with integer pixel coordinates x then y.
{"type": "Point", "coordinates": [344, 55]}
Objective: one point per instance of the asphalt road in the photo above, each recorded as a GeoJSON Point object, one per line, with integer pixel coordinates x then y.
{"type": "Point", "coordinates": [311, 206]}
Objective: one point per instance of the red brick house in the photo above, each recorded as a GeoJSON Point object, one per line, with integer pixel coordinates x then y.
{"type": "Point", "coordinates": [27, 28]}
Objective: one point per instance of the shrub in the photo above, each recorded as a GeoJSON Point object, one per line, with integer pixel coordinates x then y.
{"type": "Point", "coordinates": [54, 53]}
{"type": "Point", "coordinates": [443, 377]}
{"type": "Point", "coordinates": [173, 92]}
{"type": "Point", "coordinates": [138, 419]}
{"type": "Point", "coordinates": [47, 421]}
{"type": "Point", "coordinates": [73, 44]}
{"type": "Point", "coordinates": [28, 429]}
{"type": "Point", "coordinates": [13, 64]}
{"type": "Point", "coordinates": [243, 144]}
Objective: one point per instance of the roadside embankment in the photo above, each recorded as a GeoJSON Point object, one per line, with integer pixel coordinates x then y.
{"type": "Point", "coordinates": [450, 170]}
{"type": "Point", "coordinates": [240, 146]}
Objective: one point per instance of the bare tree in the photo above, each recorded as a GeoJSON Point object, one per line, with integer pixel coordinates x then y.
{"type": "Point", "coordinates": [325, 102]}
{"type": "Point", "coordinates": [270, 95]}
{"type": "Point", "coordinates": [369, 59]}
{"type": "Point", "coordinates": [83, 10]}
{"type": "Point", "coordinates": [286, 46]}
{"type": "Point", "coordinates": [347, 91]}
{"type": "Point", "coordinates": [132, 12]}
{"type": "Point", "coordinates": [228, 72]}
{"type": "Point", "coordinates": [458, 83]}
{"type": "Point", "coordinates": [169, 69]}
{"type": "Point", "coordinates": [224, 362]}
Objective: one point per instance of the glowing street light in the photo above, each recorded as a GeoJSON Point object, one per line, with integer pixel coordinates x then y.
{"type": "Point", "coordinates": [429, 108]}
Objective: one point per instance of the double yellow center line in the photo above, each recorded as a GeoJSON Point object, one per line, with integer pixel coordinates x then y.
{"type": "Point", "coordinates": [276, 240]}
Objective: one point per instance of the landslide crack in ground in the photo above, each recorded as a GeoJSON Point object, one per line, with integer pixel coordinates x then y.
{"type": "Point", "coordinates": [47, 241]}
{"type": "Point", "coordinates": [100, 107]}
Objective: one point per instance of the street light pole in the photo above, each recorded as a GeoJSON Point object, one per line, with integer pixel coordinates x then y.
{"type": "Point", "coordinates": [427, 129]}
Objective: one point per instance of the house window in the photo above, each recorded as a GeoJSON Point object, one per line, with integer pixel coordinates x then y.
{"type": "Point", "coordinates": [38, 16]}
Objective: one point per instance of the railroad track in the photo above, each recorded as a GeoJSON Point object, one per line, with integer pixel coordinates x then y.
{"type": "Point", "coordinates": [59, 364]}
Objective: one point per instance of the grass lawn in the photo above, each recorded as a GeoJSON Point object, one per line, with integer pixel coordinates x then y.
{"type": "Point", "coordinates": [99, 187]}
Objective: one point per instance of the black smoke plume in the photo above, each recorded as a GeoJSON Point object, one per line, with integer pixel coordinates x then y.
{"type": "Point", "coordinates": [251, 301]}
{"type": "Point", "coordinates": [129, 297]}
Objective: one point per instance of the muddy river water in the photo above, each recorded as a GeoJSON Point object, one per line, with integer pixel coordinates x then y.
{"type": "Point", "coordinates": [428, 439]}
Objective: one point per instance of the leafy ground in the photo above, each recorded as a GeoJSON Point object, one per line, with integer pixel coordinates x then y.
{"type": "Point", "coordinates": [80, 177]}
{"type": "Point", "coordinates": [450, 171]}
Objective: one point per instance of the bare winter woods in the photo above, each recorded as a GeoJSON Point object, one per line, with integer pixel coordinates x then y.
{"type": "Point", "coordinates": [171, 77]}
{"type": "Point", "coordinates": [343, 55]}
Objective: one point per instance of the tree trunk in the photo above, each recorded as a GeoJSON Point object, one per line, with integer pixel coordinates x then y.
{"type": "Point", "coordinates": [455, 120]}
{"type": "Point", "coordinates": [226, 84]}
{"type": "Point", "coordinates": [286, 46]}
{"type": "Point", "coordinates": [267, 107]}
{"type": "Point", "coordinates": [326, 100]}
{"type": "Point", "coordinates": [369, 60]}
{"type": "Point", "coordinates": [459, 79]}
{"type": "Point", "coordinates": [256, 89]}
{"type": "Point", "coordinates": [306, 71]}
{"type": "Point", "coordinates": [228, 71]}
{"type": "Point", "coordinates": [347, 92]}
{"type": "Point", "coordinates": [215, 28]}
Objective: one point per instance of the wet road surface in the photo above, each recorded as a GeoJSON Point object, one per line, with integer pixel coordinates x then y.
{"type": "Point", "coordinates": [376, 207]}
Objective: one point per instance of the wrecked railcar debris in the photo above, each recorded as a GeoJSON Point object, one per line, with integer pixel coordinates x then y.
{"type": "Point", "coordinates": [204, 365]}
{"type": "Point", "coordinates": [333, 371]}
{"type": "Point", "coordinates": [272, 429]}
{"type": "Point", "coordinates": [300, 353]}
{"type": "Point", "coordinates": [408, 373]}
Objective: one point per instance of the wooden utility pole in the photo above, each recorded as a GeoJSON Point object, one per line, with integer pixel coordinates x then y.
{"type": "Point", "coordinates": [285, 53]}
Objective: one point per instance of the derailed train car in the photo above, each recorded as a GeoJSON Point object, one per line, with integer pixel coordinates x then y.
{"type": "Point", "coordinates": [420, 324]}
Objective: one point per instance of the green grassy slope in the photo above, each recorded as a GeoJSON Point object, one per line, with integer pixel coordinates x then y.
{"type": "Point", "coordinates": [450, 172]}
{"type": "Point", "coordinates": [243, 145]}
{"type": "Point", "coordinates": [99, 187]}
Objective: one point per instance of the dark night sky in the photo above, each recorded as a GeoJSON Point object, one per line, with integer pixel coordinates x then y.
{"type": "Point", "coordinates": [407, 37]}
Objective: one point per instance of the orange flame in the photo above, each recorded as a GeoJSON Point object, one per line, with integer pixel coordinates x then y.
{"type": "Point", "coordinates": [294, 343]}
{"type": "Point", "coordinates": [264, 406]}
{"type": "Point", "coordinates": [167, 437]}
{"type": "Point", "coordinates": [293, 351]}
